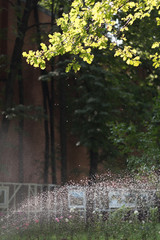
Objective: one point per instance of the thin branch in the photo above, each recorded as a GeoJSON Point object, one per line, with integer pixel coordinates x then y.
{"type": "Point", "coordinates": [123, 5]}
{"type": "Point", "coordinates": [13, 5]}
{"type": "Point", "coordinates": [83, 3]}
{"type": "Point", "coordinates": [126, 24]}
{"type": "Point", "coordinates": [35, 25]}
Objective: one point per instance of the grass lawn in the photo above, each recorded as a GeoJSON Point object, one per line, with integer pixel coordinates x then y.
{"type": "Point", "coordinates": [143, 231]}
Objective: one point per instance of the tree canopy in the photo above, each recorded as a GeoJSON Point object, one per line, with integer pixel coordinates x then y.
{"type": "Point", "coordinates": [93, 24]}
{"type": "Point", "coordinates": [127, 30]}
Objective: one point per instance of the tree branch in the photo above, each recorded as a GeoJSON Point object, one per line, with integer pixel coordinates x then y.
{"type": "Point", "coordinates": [35, 25]}
{"type": "Point", "coordinates": [13, 5]}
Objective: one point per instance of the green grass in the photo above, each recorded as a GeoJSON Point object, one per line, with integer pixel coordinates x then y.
{"type": "Point", "coordinates": [118, 226]}
{"type": "Point", "coordinates": [125, 231]}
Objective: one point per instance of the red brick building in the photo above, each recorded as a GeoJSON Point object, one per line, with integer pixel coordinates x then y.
{"type": "Point", "coordinates": [33, 136]}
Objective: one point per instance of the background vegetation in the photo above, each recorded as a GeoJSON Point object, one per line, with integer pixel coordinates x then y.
{"type": "Point", "coordinates": [112, 107]}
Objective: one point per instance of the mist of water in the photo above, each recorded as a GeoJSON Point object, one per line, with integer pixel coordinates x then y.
{"type": "Point", "coordinates": [108, 192]}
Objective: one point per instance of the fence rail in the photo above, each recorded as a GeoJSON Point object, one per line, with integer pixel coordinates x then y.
{"type": "Point", "coordinates": [57, 200]}
{"type": "Point", "coordinates": [12, 194]}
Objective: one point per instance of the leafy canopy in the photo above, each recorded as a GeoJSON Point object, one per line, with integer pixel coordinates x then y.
{"type": "Point", "coordinates": [93, 24]}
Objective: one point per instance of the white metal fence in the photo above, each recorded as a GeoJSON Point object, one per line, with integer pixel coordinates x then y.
{"type": "Point", "coordinates": [12, 194]}
{"type": "Point", "coordinates": [57, 200]}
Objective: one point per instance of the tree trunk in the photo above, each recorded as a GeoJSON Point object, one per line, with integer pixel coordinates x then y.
{"type": "Point", "coordinates": [48, 104]}
{"type": "Point", "coordinates": [21, 126]}
{"type": "Point", "coordinates": [62, 126]}
{"type": "Point", "coordinates": [21, 101]}
{"type": "Point", "coordinates": [15, 62]}
{"type": "Point", "coordinates": [52, 134]}
{"type": "Point", "coordinates": [93, 165]}
{"type": "Point", "coordinates": [46, 131]}
{"type": "Point", "coordinates": [3, 26]}
{"type": "Point", "coordinates": [63, 147]}
{"type": "Point", "coordinates": [45, 93]}
{"type": "Point", "coordinates": [51, 110]}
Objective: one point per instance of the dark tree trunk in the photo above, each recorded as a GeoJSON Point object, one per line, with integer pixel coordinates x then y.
{"type": "Point", "coordinates": [16, 59]}
{"type": "Point", "coordinates": [45, 93]}
{"type": "Point", "coordinates": [48, 104]}
{"type": "Point", "coordinates": [62, 126]}
{"type": "Point", "coordinates": [21, 126]}
{"type": "Point", "coordinates": [3, 25]}
{"type": "Point", "coordinates": [46, 131]}
{"type": "Point", "coordinates": [52, 134]}
{"type": "Point", "coordinates": [21, 101]}
{"type": "Point", "coordinates": [51, 110]}
{"type": "Point", "coordinates": [93, 165]}
{"type": "Point", "coordinates": [63, 147]}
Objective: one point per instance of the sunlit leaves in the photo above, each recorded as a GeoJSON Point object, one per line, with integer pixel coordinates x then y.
{"type": "Point", "coordinates": [128, 55]}
{"type": "Point", "coordinates": [74, 64]}
{"type": "Point", "coordinates": [155, 44]}
{"type": "Point", "coordinates": [86, 27]}
{"type": "Point", "coordinates": [156, 60]}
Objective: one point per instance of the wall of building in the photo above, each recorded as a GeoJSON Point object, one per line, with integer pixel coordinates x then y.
{"type": "Point", "coordinates": [33, 158]}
